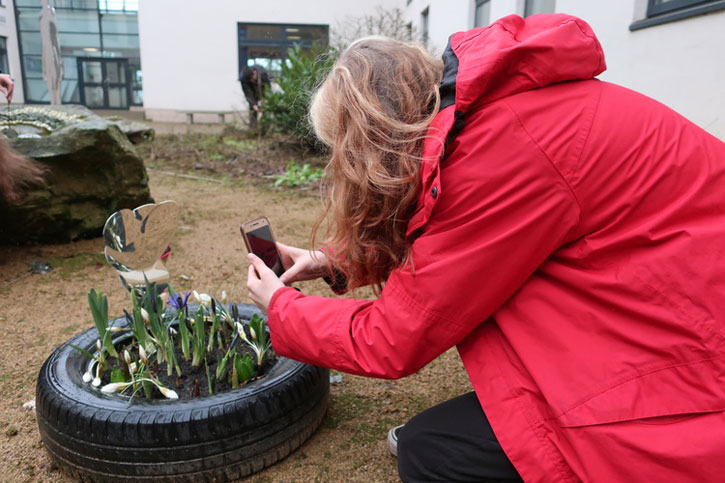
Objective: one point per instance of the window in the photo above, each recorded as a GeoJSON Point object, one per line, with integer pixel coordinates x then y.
{"type": "Point", "coordinates": [532, 7]}
{"type": "Point", "coordinates": [664, 11]}
{"type": "Point", "coordinates": [118, 5]}
{"type": "Point", "coordinates": [482, 13]}
{"type": "Point", "coordinates": [656, 7]}
{"type": "Point", "coordinates": [4, 55]}
{"type": "Point", "coordinates": [267, 44]}
{"type": "Point", "coordinates": [87, 29]}
{"type": "Point", "coordinates": [424, 24]}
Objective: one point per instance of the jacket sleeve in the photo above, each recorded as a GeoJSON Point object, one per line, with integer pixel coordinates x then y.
{"type": "Point", "coordinates": [496, 223]}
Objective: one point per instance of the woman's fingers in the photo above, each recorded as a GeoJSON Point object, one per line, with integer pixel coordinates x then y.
{"type": "Point", "coordinates": [261, 282]}
{"type": "Point", "coordinates": [290, 275]}
{"type": "Point", "coordinates": [259, 266]}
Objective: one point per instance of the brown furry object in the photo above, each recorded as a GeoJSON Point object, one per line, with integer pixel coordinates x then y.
{"type": "Point", "coordinates": [16, 172]}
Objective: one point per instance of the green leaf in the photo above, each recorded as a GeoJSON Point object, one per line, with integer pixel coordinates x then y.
{"type": "Point", "coordinates": [82, 351]}
{"type": "Point", "coordinates": [260, 329]}
{"type": "Point", "coordinates": [245, 367]}
{"type": "Point", "coordinates": [209, 378]}
{"type": "Point", "coordinates": [198, 341]}
{"type": "Point", "coordinates": [98, 304]}
{"type": "Point", "coordinates": [221, 367]}
{"type": "Point", "coordinates": [117, 375]}
{"type": "Point", "coordinates": [185, 336]}
{"type": "Point", "coordinates": [148, 388]}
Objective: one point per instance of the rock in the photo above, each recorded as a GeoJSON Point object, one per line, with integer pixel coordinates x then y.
{"type": "Point", "coordinates": [136, 132]}
{"type": "Point", "coordinates": [93, 171]}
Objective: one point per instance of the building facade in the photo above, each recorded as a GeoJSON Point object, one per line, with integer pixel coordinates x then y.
{"type": "Point", "coordinates": [99, 43]}
{"type": "Point", "coordinates": [192, 56]}
{"type": "Point", "coordinates": [670, 50]}
{"type": "Point", "coordinates": [172, 57]}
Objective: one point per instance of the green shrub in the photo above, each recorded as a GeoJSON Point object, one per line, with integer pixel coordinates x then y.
{"type": "Point", "coordinates": [297, 176]}
{"type": "Point", "coordinates": [286, 111]}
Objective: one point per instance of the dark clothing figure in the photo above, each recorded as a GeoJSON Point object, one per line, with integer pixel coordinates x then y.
{"type": "Point", "coordinates": [254, 80]}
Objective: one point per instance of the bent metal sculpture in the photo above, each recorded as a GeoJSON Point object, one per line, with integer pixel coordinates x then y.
{"type": "Point", "coordinates": [137, 243]}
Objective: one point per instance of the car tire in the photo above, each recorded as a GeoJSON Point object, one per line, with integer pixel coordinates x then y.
{"type": "Point", "coordinates": [222, 437]}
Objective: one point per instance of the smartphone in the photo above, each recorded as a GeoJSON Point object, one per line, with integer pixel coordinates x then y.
{"type": "Point", "coordinates": [258, 237]}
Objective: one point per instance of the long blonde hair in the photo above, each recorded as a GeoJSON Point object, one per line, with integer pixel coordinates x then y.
{"type": "Point", "coordinates": [373, 111]}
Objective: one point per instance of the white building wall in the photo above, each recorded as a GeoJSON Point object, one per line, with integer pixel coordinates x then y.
{"type": "Point", "coordinates": [681, 64]}
{"type": "Point", "coordinates": [447, 17]}
{"type": "Point", "coordinates": [8, 30]}
{"type": "Point", "coordinates": [189, 49]}
{"type": "Point", "coordinates": [444, 18]}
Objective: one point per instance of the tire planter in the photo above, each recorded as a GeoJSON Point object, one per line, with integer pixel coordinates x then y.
{"type": "Point", "coordinates": [100, 437]}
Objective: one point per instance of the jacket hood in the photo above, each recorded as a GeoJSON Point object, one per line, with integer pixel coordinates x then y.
{"type": "Point", "coordinates": [482, 65]}
{"type": "Point", "coordinates": [514, 55]}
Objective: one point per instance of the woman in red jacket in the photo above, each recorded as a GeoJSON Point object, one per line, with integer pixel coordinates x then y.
{"type": "Point", "coordinates": [566, 234]}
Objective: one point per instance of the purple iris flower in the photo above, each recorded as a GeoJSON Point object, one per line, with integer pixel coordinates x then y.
{"type": "Point", "coordinates": [177, 302]}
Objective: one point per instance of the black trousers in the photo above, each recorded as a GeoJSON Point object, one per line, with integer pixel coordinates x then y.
{"type": "Point", "coordinates": [452, 441]}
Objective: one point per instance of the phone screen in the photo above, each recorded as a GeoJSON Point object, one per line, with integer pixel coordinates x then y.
{"type": "Point", "coordinates": [262, 244]}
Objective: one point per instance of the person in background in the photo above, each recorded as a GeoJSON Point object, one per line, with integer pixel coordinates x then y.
{"type": "Point", "coordinates": [565, 233]}
{"type": "Point", "coordinates": [16, 172]}
{"type": "Point", "coordinates": [254, 80]}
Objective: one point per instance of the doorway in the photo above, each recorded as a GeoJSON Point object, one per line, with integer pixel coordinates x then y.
{"type": "Point", "coordinates": [104, 83]}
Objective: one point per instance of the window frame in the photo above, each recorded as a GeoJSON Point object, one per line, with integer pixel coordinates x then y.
{"type": "Point", "coordinates": [676, 10]}
{"type": "Point", "coordinates": [102, 50]}
{"type": "Point", "coordinates": [283, 43]}
{"type": "Point", "coordinates": [4, 61]}
{"type": "Point", "coordinates": [479, 4]}
{"type": "Point", "coordinates": [673, 5]}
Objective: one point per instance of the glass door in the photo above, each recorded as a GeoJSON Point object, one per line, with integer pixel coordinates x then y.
{"type": "Point", "coordinates": [104, 83]}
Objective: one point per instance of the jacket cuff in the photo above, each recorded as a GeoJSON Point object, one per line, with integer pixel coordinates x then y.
{"type": "Point", "coordinates": [274, 316]}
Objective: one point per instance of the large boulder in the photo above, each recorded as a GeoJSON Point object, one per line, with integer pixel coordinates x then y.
{"type": "Point", "coordinates": [93, 171]}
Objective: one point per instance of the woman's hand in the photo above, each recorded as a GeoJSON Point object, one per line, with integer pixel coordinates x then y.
{"type": "Point", "coordinates": [301, 264]}
{"type": "Point", "coordinates": [7, 86]}
{"type": "Point", "coordinates": [261, 282]}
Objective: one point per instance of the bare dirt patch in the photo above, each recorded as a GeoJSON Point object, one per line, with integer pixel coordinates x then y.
{"type": "Point", "coordinates": [40, 311]}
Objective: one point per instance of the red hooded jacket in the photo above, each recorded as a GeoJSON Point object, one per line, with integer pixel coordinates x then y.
{"type": "Point", "coordinates": [570, 240]}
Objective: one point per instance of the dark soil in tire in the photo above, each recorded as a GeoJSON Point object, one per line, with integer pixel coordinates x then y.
{"type": "Point", "coordinates": [222, 437]}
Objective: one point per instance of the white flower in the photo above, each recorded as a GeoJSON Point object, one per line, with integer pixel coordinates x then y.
{"type": "Point", "coordinates": [168, 393]}
{"type": "Point", "coordinates": [205, 300]}
{"type": "Point", "coordinates": [227, 317]}
{"type": "Point", "coordinates": [98, 344]}
{"type": "Point", "coordinates": [253, 333]}
{"type": "Point", "coordinates": [132, 367]}
{"type": "Point", "coordinates": [114, 387]}
{"type": "Point", "coordinates": [142, 354]}
{"type": "Point", "coordinates": [127, 357]}
{"type": "Point", "coordinates": [144, 315]}
{"type": "Point", "coordinates": [96, 381]}
{"type": "Point", "coordinates": [87, 377]}
{"type": "Point", "coordinates": [224, 296]}
{"type": "Point", "coordinates": [240, 331]}
{"type": "Point", "coordinates": [196, 296]}
{"type": "Point", "coordinates": [164, 297]}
